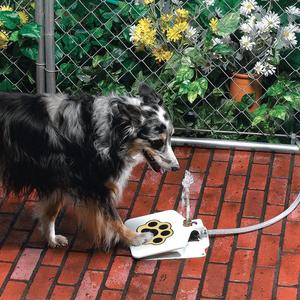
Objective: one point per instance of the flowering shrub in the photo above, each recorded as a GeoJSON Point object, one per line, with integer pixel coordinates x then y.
{"type": "Point", "coordinates": [261, 37]}
{"type": "Point", "coordinates": [18, 42]}
{"type": "Point", "coordinates": [163, 33]}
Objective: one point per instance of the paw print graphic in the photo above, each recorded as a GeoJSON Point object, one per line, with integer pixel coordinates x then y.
{"type": "Point", "coordinates": [160, 230]}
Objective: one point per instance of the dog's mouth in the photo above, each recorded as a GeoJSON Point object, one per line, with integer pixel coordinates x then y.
{"type": "Point", "coordinates": [152, 162]}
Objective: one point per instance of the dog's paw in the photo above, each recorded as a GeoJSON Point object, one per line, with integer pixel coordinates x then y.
{"type": "Point", "coordinates": [58, 241]}
{"type": "Point", "coordinates": [142, 238]}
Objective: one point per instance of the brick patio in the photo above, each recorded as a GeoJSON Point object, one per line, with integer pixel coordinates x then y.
{"type": "Point", "coordinates": [232, 188]}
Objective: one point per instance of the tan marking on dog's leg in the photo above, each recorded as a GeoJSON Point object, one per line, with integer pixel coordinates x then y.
{"type": "Point", "coordinates": [91, 219]}
{"type": "Point", "coordinates": [103, 230]}
{"type": "Point", "coordinates": [114, 190]}
{"type": "Point", "coordinates": [47, 212]}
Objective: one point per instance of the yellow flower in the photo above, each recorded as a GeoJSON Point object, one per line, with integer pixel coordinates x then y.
{"type": "Point", "coordinates": [182, 26]}
{"type": "Point", "coordinates": [143, 33]}
{"type": "Point", "coordinates": [148, 1]}
{"type": "Point", "coordinates": [6, 8]}
{"type": "Point", "coordinates": [213, 25]}
{"type": "Point", "coordinates": [145, 23]}
{"type": "Point", "coordinates": [175, 33]}
{"type": "Point", "coordinates": [166, 18]}
{"type": "Point", "coordinates": [23, 17]}
{"type": "Point", "coordinates": [182, 13]}
{"type": "Point", "coordinates": [160, 54]}
{"type": "Point", "coordinates": [4, 38]}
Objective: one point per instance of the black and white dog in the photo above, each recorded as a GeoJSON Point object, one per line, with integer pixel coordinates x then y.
{"type": "Point", "coordinates": [83, 149]}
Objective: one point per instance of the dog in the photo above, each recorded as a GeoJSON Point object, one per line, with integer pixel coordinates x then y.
{"type": "Point", "coordinates": [82, 148]}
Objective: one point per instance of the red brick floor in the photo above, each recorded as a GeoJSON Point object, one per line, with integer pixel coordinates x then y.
{"type": "Point", "coordinates": [232, 188]}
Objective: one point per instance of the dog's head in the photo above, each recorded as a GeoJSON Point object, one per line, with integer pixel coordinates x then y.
{"type": "Point", "coordinates": [156, 131]}
{"type": "Point", "coordinates": [150, 130]}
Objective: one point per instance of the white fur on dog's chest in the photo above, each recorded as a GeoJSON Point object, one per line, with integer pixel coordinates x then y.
{"type": "Point", "coordinates": [122, 180]}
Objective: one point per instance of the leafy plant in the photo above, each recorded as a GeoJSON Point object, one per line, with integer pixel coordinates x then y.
{"type": "Point", "coordinates": [93, 50]}
{"type": "Point", "coordinates": [18, 49]}
{"type": "Point", "coordinates": [280, 108]}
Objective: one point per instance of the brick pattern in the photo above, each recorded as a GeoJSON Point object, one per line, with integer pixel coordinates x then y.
{"type": "Point", "coordinates": [232, 188]}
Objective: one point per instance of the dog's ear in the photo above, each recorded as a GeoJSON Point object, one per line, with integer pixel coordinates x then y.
{"type": "Point", "coordinates": [149, 96]}
{"type": "Point", "coordinates": [126, 114]}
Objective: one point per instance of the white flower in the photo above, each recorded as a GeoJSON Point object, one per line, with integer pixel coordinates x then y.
{"type": "Point", "coordinates": [131, 32]}
{"type": "Point", "coordinates": [246, 42]}
{"type": "Point", "coordinates": [293, 10]}
{"type": "Point", "coordinates": [294, 27]}
{"type": "Point", "coordinates": [288, 35]}
{"type": "Point", "coordinates": [248, 6]}
{"type": "Point", "coordinates": [191, 33]}
{"type": "Point", "coordinates": [271, 21]}
{"type": "Point", "coordinates": [249, 25]}
{"type": "Point", "coordinates": [269, 69]}
{"type": "Point", "coordinates": [209, 3]}
{"type": "Point", "coordinates": [217, 41]}
{"type": "Point", "coordinates": [246, 28]}
{"type": "Point", "coordinates": [259, 68]}
{"type": "Point", "coordinates": [262, 27]}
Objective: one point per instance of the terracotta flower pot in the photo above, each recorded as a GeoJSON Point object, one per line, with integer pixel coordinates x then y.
{"type": "Point", "coordinates": [242, 84]}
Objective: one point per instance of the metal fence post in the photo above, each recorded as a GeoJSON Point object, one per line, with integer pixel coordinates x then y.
{"type": "Point", "coordinates": [40, 64]}
{"type": "Point", "coordinates": [50, 47]}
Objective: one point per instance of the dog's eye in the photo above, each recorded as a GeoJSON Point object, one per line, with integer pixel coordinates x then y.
{"type": "Point", "coordinates": [157, 144]}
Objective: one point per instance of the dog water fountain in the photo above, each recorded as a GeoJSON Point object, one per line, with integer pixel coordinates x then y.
{"type": "Point", "coordinates": [174, 236]}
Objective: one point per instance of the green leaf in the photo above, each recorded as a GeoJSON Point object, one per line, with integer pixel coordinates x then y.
{"type": "Point", "coordinates": [260, 115]}
{"type": "Point", "coordinates": [197, 87]}
{"type": "Point", "coordinates": [247, 100]}
{"type": "Point", "coordinates": [97, 32]}
{"type": "Point", "coordinates": [173, 63]}
{"type": "Point", "coordinates": [278, 88]}
{"type": "Point", "coordinates": [184, 87]}
{"type": "Point", "coordinates": [6, 86]}
{"type": "Point", "coordinates": [96, 60]}
{"type": "Point", "coordinates": [203, 83]}
{"type": "Point", "coordinates": [184, 73]}
{"type": "Point", "coordinates": [294, 99]}
{"type": "Point", "coordinates": [192, 96]}
{"type": "Point", "coordinates": [195, 55]}
{"type": "Point", "coordinates": [30, 30]}
{"type": "Point", "coordinates": [275, 57]}
{"type": "Point", "coordinates": [14, 37]}
{"type": "Point", "coordinates": [279, 112]}
{"type": "Point", "coordinates": [67, 68]}
{"type": "Point", "coordinates": [257, 120]}
{"type": "Point", "coordinates": [223, 49]}
{"type": "Point", "coordinates": [30, 52]}
{"type": "Point", "coordinates": [84, 78]}
{"type": "Point", "coordinates": [10, 19]}
{"type": "Point", "coordinates": [228, 24]}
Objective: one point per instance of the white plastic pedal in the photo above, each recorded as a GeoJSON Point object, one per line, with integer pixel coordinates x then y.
{"type": "Point", "coordinates": [172, 239]}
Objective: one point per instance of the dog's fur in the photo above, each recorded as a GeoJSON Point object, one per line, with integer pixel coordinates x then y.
{"type": "Point", "coordinates": [82, 148]}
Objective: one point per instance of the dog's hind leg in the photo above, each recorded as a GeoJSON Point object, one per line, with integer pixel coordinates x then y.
{"type": "Point", "coordinates": [47, 211]}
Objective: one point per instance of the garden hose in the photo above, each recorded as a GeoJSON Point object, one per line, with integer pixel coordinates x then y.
{"type": "Point", "coordinates": [230, 231]}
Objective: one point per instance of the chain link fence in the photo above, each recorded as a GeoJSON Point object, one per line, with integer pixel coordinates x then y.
{"type": "Point", "coordinates": [17, 71]}
{"type": "Point", "coordinates": [102, 47]}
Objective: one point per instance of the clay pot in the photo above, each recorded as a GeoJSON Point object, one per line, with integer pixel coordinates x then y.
{"type": "Point", "coordinates": [242, 84]}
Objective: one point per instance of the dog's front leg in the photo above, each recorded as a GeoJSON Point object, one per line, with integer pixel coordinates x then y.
{"type": "Point", "coordinates": [115, 230]}
{"type": "Point", "coordinates": [125, 235]}
{"type": "Point", "coordinates": [105, 227]}
{"type": "Point", "coordinates": [47, 211]}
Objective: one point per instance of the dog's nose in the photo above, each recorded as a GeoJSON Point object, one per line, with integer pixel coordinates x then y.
{"type": "Point", "coordinates": [176, 168]}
